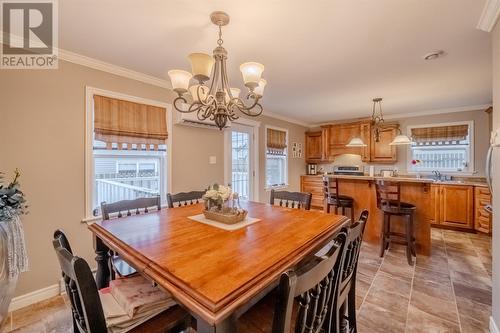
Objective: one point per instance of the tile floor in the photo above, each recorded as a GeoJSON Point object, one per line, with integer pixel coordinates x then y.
{"type": "Point", "coordinates": [447, 292]}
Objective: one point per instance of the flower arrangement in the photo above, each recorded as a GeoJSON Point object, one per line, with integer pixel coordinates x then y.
{"type": "Point", "coordinates": [12, 201]}
{"type": "Point", "coordinates": [416, 162]}
{"type": "Point", "coordinates": [222, 205]}
{"type": "Point", "coordinates": [217, 194]}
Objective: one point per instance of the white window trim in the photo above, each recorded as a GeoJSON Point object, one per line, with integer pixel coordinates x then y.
{"type": "Point", "coordinates": [471, 171]}
{"type": "Point", "coordinates": [277, 187]}
{"type": "Point", "coordinates": [89, 133]}
{"type": "Point", "coordinates": [227, 148]}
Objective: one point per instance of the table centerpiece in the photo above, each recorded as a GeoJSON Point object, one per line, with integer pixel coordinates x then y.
{"type": "Point", "coordinates": [222, 205]}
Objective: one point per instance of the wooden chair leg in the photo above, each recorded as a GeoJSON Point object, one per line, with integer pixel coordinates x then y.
{"type": "Point", "coordinates": [336, 210]}
{"type": "Point", "coordinates": [413, 245]}
{"type": "Point", "coordinates": [343, 210]}
{"type": "Point", "coordinates": [382, 235]}
{"type": "Point", "coordinates": [351, 307]}
{"type": "Point", "coordinates": [388, 232]}
{"type": "Point", "coordinates": [409, 241]}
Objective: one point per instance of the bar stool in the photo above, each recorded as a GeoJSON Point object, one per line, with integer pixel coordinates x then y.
{"type": "Point", "coordinates": [389, 201]}
{"type": "Point", "coordinates": [334, 198]}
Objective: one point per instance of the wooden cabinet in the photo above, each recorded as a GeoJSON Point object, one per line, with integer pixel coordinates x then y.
{"type": "Point", "coordinates": [313, 185]}
{"type": "Point", "coordinates": [382, 152]}
{"type": "Point", "coordinates": [339, 136]}
{"type": "Point", "coordinates": [453, 206]}
{"type": "Point", "coordinates": [331, 141]}
{"type": "Point", "coordinates": [482, 218]}
{"type": "Point", "coordinates": [314, 146]}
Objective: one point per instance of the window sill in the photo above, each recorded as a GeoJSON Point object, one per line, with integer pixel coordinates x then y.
{"type": "Point", "coordinates": [276, 187]}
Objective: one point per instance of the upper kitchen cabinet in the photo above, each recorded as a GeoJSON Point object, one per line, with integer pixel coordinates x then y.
{"type": "Point", "coordinates": [315, 151]}
{"type": "Point", "coordinates": [331, 141]}
{"type": "Point", "coordinates": [339, 136]}
{"type": "Point", "coordinates": [382, 151]}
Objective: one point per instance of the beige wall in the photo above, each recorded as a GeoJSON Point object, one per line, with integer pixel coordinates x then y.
{"type": "Point", "coordinates": [496, 178]}
{"type": "Point", "coordinates": [42, 117]}
{"type": "Point", "coordinates": [296, 166]}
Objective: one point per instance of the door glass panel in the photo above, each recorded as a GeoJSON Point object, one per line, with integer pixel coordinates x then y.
{"type": "Point", "coordinates": [240, 153]}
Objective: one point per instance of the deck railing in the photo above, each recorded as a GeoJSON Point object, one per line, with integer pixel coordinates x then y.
{"type": "Point", "coordinates": [113, 190]}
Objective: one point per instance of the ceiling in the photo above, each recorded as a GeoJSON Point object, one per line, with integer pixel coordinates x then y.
{"type": "Point", "coordinates": [325, 60]}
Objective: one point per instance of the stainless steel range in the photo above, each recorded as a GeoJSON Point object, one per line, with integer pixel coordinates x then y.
{"type": "Point", "coordinates": [352, 170]}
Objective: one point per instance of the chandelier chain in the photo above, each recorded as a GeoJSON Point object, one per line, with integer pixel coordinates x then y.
{"type": "Point", "coordinates": [220, 41]}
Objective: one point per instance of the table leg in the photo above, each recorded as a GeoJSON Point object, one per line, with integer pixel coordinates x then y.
{"type": "Point", "coordinates": [103, 275]}
{"type": "Point", "coordinates": [228, 325]}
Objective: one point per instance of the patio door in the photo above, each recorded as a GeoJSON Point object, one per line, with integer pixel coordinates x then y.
{"type": "Point", "coordinates": [239, 167]}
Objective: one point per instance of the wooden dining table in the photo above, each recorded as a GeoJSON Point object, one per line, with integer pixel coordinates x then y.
{"type": "Point", "coordinates": [213, 273]}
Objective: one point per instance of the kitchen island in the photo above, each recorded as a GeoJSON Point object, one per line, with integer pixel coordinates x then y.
{"type": "Point", "coordinates": [419, 192]}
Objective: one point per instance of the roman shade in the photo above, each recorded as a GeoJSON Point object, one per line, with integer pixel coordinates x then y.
{"type": "Point", "coordinates": [440, 133]}
{"type": "Point", "coordinates": [276, 141]}
{"type": "Point", "coordinates": [119, 121]}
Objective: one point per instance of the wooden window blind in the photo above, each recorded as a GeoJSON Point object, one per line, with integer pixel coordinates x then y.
{"type": "Point", "coordinates": [119, 121]}
{"type": "Point", "coordinates": [440, 133]}
{"type": "Point", "coordinates": [276, 141]}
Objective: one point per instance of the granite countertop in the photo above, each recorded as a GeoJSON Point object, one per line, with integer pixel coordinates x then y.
{"type": "Point", "coordinates": [409, 179]}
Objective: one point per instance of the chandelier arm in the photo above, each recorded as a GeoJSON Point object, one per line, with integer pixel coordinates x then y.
{"type": "Point", "coordinates": [180, 99]}
{"type": "Point", "coordinates": [215, 79]}
{"type": "Point", "coordinates": [225, 80]}
{"type": "Point", "coordinates": [208, 99]}
{"type": "Point", "coordinates": [240, 105]}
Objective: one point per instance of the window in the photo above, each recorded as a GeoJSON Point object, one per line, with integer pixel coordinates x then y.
{"type": "Point", "coordinates": [442, 147]}
{"type": "Point", "coordinates": [128, 151]}
{"type": "Point", "coordinates": [276, 157]}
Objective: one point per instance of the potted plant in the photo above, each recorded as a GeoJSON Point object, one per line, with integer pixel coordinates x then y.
{"type": "Point", "coordinates": [13, 256]}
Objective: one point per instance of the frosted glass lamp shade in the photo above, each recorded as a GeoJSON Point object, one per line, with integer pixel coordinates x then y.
{"type": "Point", "coordinates": [252, 72]}
{"type": "Point", "coordinates": [202, 92]}
{"type": "Point", "coordinates": [400, 140]}
{"type": "Point", "coordinates": [356, 142]}
{"type": "Point", "coordinates": [180, 80]}
{"type": "Point", "coordinates": [201, 66]}
{"type": "Point", "coordinates": [259, 90]}
{"type": "Point", "coordinates": [235, 92]}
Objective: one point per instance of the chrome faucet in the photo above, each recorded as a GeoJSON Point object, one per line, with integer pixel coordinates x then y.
{"type": "Point", "coordinates": [437, 174]}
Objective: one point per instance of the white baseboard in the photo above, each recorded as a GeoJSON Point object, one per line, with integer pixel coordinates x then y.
{"type": "Point", "coordinates": [34, 297]}
{"type": "Point", "coordinates": [493, 326]}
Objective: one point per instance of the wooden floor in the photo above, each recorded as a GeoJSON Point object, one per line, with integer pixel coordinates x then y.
{"type": "Point", "coordinates": [447, 292]}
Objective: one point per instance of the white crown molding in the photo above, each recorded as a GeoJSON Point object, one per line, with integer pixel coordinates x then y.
{"type": "Point", "coordinates": [112, 69]}
{"type": "Point", "coordinates": [438, 111]}
{"type": "Point", "coordinates": [107, 67]}
{"type": "Point", "coordinates": [285, 118]}
{"type": "Point", "coordinates": [415, 114]}
{"type": "Point", "coordinates": [489, 16]}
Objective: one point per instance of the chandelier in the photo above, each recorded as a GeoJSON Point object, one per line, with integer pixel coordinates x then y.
{"type": "Point", "coordinates": [377, 118]}
{"type": "Point", "coordinates": [217, 102]}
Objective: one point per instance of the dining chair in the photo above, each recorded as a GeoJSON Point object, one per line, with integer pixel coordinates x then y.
{"type": "Point", "coordinates": [184, 198]}
{"type": "Point", "coordinates": [346, 301]}
{"type": "Point", "coordinates": [304, 300]}
{"type": "Point", "coordinates": [291, 199]}
{"type": "Point", "coordinates": [389, 202]}
{"type": "Point", "coordinates": [135, 206]}
{"type": "Point", "coordinates": [86, 308]}
{"type": "Point", "coordinates": [334, 198]}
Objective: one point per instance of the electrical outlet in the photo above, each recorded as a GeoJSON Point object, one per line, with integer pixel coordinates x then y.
{"type": "Point", "coordinates": [212, 160]}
